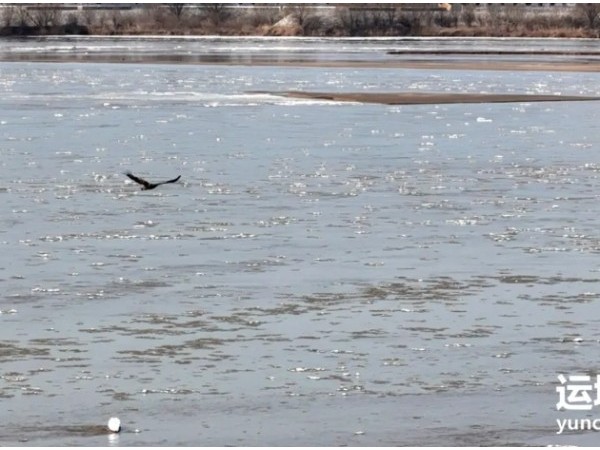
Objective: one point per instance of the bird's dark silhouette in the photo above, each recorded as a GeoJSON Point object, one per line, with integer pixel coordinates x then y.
{"type": "Point", "coordinates": [146, 185]}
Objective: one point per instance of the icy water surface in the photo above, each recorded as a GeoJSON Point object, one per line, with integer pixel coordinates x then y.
{"type": "Point", "coordinates": [322, 274]}
{"type": "Point", "coordinates": [248, 50]}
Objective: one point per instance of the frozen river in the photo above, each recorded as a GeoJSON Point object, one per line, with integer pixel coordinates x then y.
{"type": "Point", "coordinates": [323, 273]}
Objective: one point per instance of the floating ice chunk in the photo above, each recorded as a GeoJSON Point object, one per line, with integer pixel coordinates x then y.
{"type": "Point", "coordinates": [114, 424]}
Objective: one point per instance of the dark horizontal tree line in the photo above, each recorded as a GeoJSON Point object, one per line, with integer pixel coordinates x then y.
{"type": "Point", "coordinates": [302, 19]}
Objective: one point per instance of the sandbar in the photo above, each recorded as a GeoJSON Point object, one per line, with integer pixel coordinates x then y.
{"type": "Point", "coordinates": [422, 98]}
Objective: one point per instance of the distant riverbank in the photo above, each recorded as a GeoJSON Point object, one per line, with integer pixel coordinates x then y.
{"type": "Point", "coordinates": [357, 20]}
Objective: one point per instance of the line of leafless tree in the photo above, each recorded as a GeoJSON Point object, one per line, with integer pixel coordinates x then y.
{"type": "Point", "coordinates": [582, 20]}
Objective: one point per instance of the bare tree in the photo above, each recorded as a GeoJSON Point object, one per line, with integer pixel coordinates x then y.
{"type": "Point", "coordinates": [314, 25]}
{"type": "Point", "coordinates": [9, 14]}
{"type": "Point", "coordinates": [260, 16]}
{"type": "Point", "coordinates": [351, 20]}
{"type": "Point", "coordinates": [494, 15]}
{"type": "Point", "coordinates": [21, 16]}
{"type": "Point", "coordinates": [119, 22]}
{"type": "Point", "coordinates": [301, 11]}
{"type": "Point", "coordinates": [514, 15]}
{"type": "Point", "coordinates": [590, 12]}
{"type": "Point", "coordinates": [177, 9]}
{"type": "Point", "coordinates": [44, 16]}
{"type": "Point", "coordinates": [88, 17]}
{"type": "Point", "coordinates": [391, 17]}
{"type": "Point", "coordinates": [216, 12]}
{"type": "Point", "coordinates": [467, 12]}
{"type": "Point", "coordinates": [154, 15]}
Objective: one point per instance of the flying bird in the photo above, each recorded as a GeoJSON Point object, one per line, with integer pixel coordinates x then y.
{"type": "Point", "coordinates": [146, 185]}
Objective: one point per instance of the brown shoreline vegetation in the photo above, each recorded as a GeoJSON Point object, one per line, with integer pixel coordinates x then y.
{"type": "Point", "coordinates": [414, 98]}
{"type": "Point", "coordinates": [580, 20]}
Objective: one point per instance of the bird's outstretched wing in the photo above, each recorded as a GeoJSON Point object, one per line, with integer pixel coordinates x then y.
{"type": "Point", "coordinates": [139, 180]}
{"type": "Point", "coordinates": [171, 181]}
